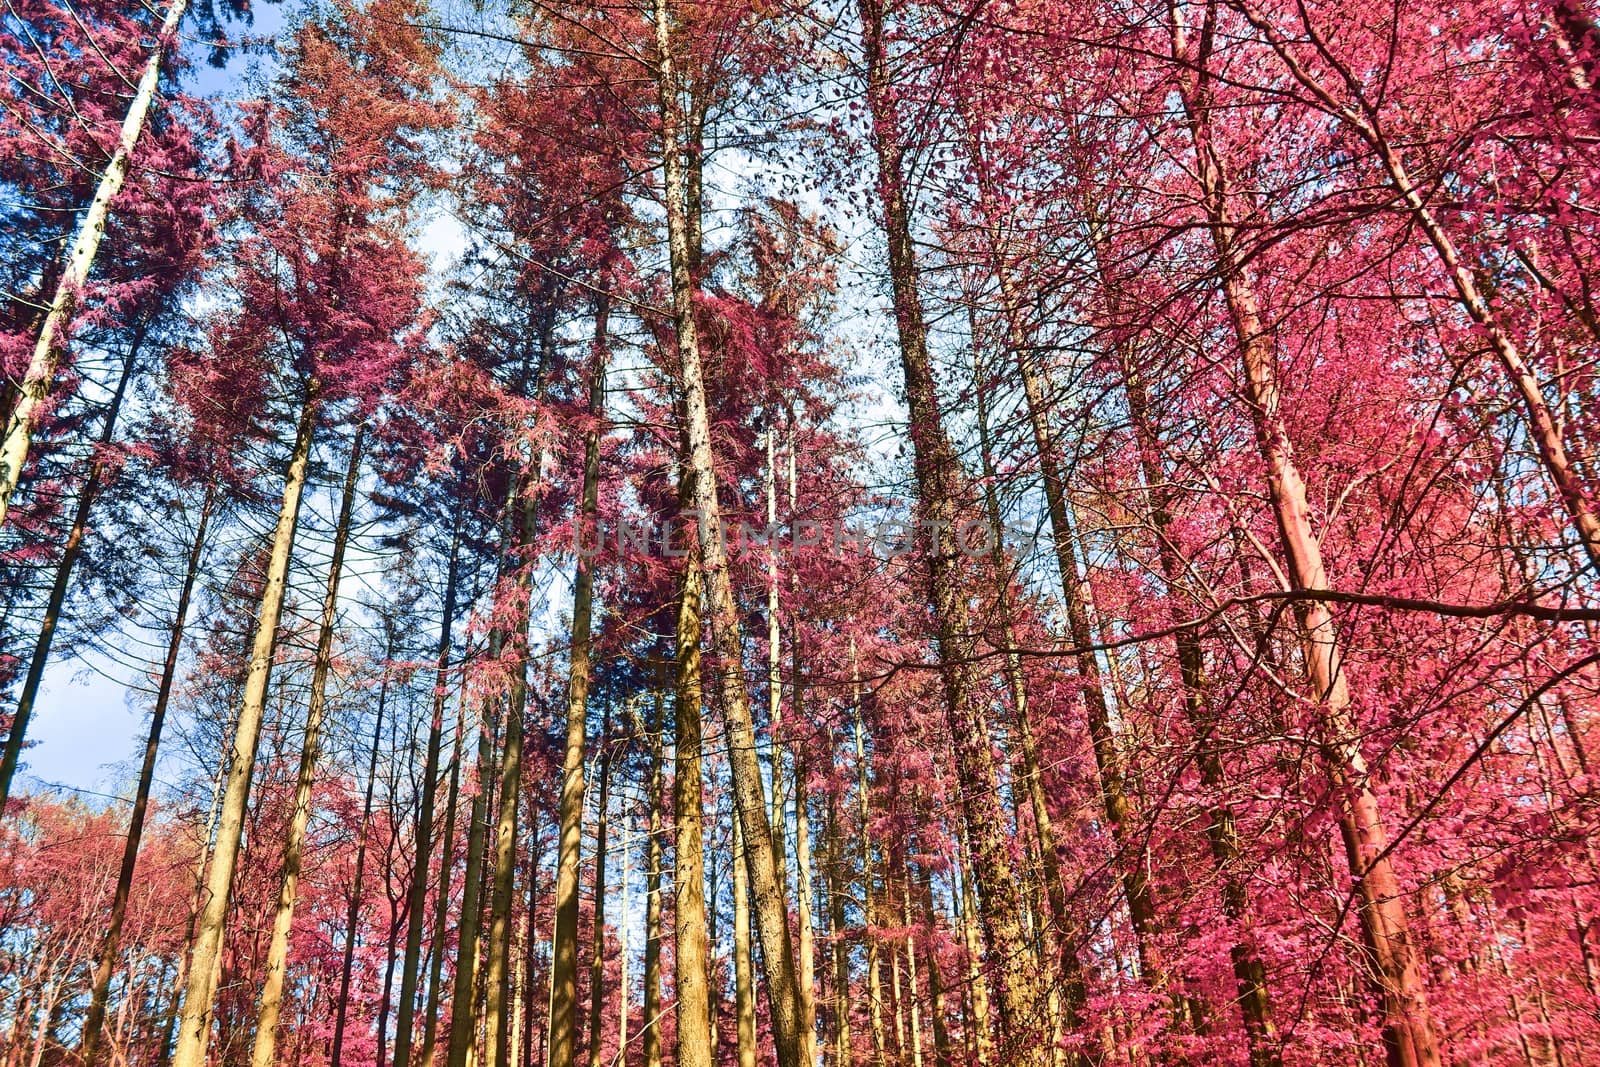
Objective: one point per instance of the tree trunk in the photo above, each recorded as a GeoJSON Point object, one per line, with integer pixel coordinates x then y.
{"type": "Point", "coordinates": [744, 993]}
{"type": "Point", "coordinates": [1544, 425]}
{"type": "Point", "coordinates": [16, 737]}
{"type": "Point", "coordinates": [1222, 835]}
{"type": "Point", "coordinates": [52, 339]}
{"type": "Point", "coordinates": [652, 903]}
{"type": "Point", "coordinates": [353, 914]}
{"type": "Point", "coordinates": [977, 985]}
{"type": "Point", "coordinates": [266, 1041]}
{"type": "Point", "coordinates": [1066, 934]}
{"type": "Point", "coordinates": [750, 804]}
{"type": "Point", "coordinates": [779, 817]}
{"type": "Point", "coordinates": [843, 1052]}
{"type": "Point", "coordinates": [530, 955]}
{"type": "Point", "coordinates": [864, 816]}
{"type": "Point", "coordinates": [199, 1001]}
{"type": "Point", "coordinates": [807, 947]}
{"type": "Point", "coordinates": [1393, 967]}
{"type": "Point", "coordinates": [691, 957]}
{"type": "Point", "coordinates": [141, 795]}
{"type": "Point", "coordinates": [462, 1016]}
{"type": "Point", "coordinates": [941, 1014]}
{"type": "Point", "coordinates": [938, 492]}
{"type": "Point", "coordinates": [564, 938]}
{"type": "Point", "coordinates": [417, 894]}
{"type": "Point", "coordinates": [597, 955]}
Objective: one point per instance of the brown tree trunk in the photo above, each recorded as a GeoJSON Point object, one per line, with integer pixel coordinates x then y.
{"type": "Point", "coordinates": [744, 993]}
{"type": "Point", "coordinates": [652, 904]}
{"type": "Point", "coordinates": [597, 952]}
{"type": "Point", "coordinates": [834, 880]}
{"type": "Point", "coordinates": [417, 898]}
{"type": "Point", "coordinates": [441, 905]}
{"type": "Point", "coordinates": [1064, 934]}
{"type": "Point", "coordinates": [353, 914]}
{"type": "Point", "coordinates": [16, 737]}
{"type": "Point", "coordinates": [749, 801]}
{"type": "Point", "coordinates": [1250, 974]}
{"type": "Point", "coordinates": [691, 958]}
{"type": "Point", "coordinates": [939, 494]}
{"type": "Point", "coordinates": [463, 1016]}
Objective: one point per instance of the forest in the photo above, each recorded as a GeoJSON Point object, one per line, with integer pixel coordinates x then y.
{"type": "Point", "coordinates": [800, 533]}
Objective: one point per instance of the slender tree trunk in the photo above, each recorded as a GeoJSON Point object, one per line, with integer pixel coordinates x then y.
{"type": "Point", "coordinates": [384, 1006]}
{"type": "Point", "coordinates": [353, 914]}
{"type": "Point", "coordinates": [912, 971]}
{"type": "Point", "coordinates": [417, 892]}
{"type": "Point", "coordinates": [864, 817]}
{"type": "Point", "coordinates": [938, 491]}
{"type": "Point", "coordinates": [744, 761]}
{"type": "Point", "coordinates": [441, 905]}
{"type": "Point", "coordinates": [109, 948]}
{"type": "Point", "coordinates": [1108, 759]}
{"type": "Point", "coordinates": [52, 340]}
{"type": "Point", "coordinates": [843, 1051]}
{"type": "Point", "coordinates": [779, 817]}
{"type": "Point", "coordinates": [977, 985]}
{"type": "Point", "coordinates": [807, 946]}
{"type": "Point", "coordinates": [936, 994]}
{"type": "Point", "coordinates": [1250, 973]}
{"type": "Point", "coordinates": [199, 1001]}
{"type": "Point", "coordinates": [530, 955]}
{"type": "Point", "coordinates": [597, 956]}
{"type": "Point", "coordinates": [563, 1021]}
{"type": "Point", "coordinates": [1066, 934]}
{"type": "Point", "coordinates": [1393, 966]}
{"type": "Point", "coordinates": [652, 903]}
{"type": "Point", "coordinates": [462, 1015]}
{"type": "Point", "coordinates": [691, 958]}
{"type": "Point", "coordinates": [744, 993]}
{"type": "Point", "coordinates": [70, 551]}
{"type": "Point", "coordinates": [191, 927]}
{"type": "Point", "coordinates": [266, 1041]}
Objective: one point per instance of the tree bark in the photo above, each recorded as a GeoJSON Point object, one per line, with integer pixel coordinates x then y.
{"type": "Point", "coordinates": [843, 1050]}
{"type": "Point", "coordinates": [264, 1053]}
{"type": "Point", "coordinates": [1065, 934]}
{"type": "Point", "coordinates": [652, 905]}
{"type": "Point", "coordinates": [750, 804]}
{"type": "Point", "coordinates": [597, 955]}
{"type": "Point", "coordinates": [16, 737]}
{"type": "Point", "coordinates": [1544, 425]}
{"type": "Point", "coordinates": [109, 948]}
{"type": "Point", "coordinates": [463, 1016]}
{"type": "Point", "coordinates": [691, 956]}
